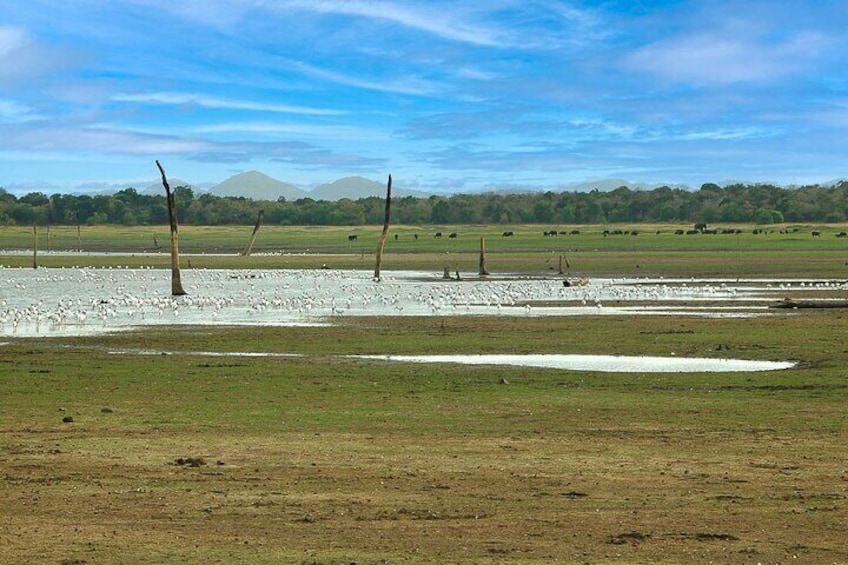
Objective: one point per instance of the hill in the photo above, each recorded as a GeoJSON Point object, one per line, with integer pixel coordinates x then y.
{"type": "Point", "coordinates": [257, 186]}
{"type": "Point", "coordinates": [348, 187]}
{"type": "Point", "coordinates": [156, 187]}
{"type": "Point", "coordinates": [355, 188]}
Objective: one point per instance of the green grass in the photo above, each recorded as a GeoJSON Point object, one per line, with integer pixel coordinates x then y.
{"type": "Point", "coordinates": [325, 390]}
{"type": "Point", "coordinates": [795, 254]}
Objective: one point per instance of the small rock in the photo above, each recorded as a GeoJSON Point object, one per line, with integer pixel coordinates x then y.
{"type": "Point", "coordinates": [106, 410]}
{"type": "Point", "coordinates": [68, 419]}
{"type": "Point", "coordinates": [190, 461]}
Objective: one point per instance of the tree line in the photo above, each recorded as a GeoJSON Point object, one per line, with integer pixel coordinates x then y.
{"type": "Point", "coordinates": [736, 203]}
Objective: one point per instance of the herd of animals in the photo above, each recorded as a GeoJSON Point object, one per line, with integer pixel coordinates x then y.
{"type": "Point", "coordinates": [699, 228]}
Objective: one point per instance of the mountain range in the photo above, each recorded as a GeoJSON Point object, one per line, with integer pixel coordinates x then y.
{"type": "Point", "coordinates": [259, 186]}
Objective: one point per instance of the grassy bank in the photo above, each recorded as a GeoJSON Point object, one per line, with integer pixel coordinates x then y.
{"type": "Point", "coordinates": [655, 251]}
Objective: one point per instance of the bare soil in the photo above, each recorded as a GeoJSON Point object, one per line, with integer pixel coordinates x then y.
{"type": "Point", "coordinates": [77, 494]}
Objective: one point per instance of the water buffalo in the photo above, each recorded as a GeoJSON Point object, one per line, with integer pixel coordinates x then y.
{"type": "Point", "coordinates": [351, 238]}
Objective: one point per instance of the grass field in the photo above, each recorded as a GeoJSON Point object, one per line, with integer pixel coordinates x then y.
{"type": "Point", "coordinates": [655, 251]}
{"type": "Point", "coordinates": [175, 455]}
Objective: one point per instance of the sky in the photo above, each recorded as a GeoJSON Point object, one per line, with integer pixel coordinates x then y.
{"type": "Point", "coordinates": [447, 96]}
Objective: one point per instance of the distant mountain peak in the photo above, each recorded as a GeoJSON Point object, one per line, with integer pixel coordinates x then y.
{"type": "Point", "coordinates": [156, 186]}
{"type": "Point", "coordinates": [348, 187]}
{"type": "Point", "coordinates": [258, 186]}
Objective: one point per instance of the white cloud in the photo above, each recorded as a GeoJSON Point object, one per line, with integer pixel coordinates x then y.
{"type": "Point", "coordinates": [400, 85]}
{"type": "Point", "coordinates": [207, 12]}
{"type": "Point", "coordinates": [23, 56]}
{"type": "Point", "coordinates": [443, 21]}
{"type": "Point", "coordinates": [102, 140]}
{"type": "Point", "coordinates": [13, 112]}
{"type": "Point", "coordinates": [713, 59]}
{"type": "Point", "coordinates": [476, 74]}
{"type": "Point", "coordinates": [604, 128]}
{"type": "Point", "coordinates": [11, 40]}
{"type": "Point", "coordinates": [13, 54]}
{"type": "Point", "coordinates": [333, 132]}
{"type": "Point", "coordinates": [177, 99]}
{"type": "Point", "coordinates": [726, 134]}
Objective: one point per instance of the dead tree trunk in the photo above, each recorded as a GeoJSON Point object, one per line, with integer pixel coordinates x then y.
{"type": "Point", "coordinates": [482, 270]}
{"type": "Point", "coordinates": [258, 225]}
{"type": "Point", "coordinates": [563, 260]}
{"type": "Point", "coordinates": [34, 246]}
{"type": "Point", "coordinates": [382, 242]}
{"type": "Point", "coordinates": [176, 281]}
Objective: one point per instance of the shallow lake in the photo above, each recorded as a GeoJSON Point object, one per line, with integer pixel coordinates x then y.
{"type": "Point", "coordinates": [86, 301]}
{"type": "Point", "coordinates": [83, 301]}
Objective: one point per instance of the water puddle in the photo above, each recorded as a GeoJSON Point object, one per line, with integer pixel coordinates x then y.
{"type": "Point", "coordinates": [599, 363]}
{"type": "Point", "coordinates": [568, 362]}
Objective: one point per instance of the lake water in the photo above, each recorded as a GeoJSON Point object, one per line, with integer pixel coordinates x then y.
{"type": "Point", "coordinates": [84, 301]}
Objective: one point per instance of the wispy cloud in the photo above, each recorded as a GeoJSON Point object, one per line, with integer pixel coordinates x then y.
{"type": "Point", "coordinates": [179, 99]}
{"type": "Point", "coordinates": [22, 57]}
{"type": "Point", "coordinates": [396, 84]}
{"type": "Point", "coordinates": [707, 59]}
{"type": "Point", "coordinates": [13, 112]}
{"type": "Point", "coordinates": [331, 132]}
{"type": "Point", "coordinates": [215, 13]}
{"type": "Point", "coordinates": [94, 139]}
{"type": "Point", "coordinates": [11, 40]}
{"type": "Point", "coordinates": [449, 22]}
{"type": "Point", "coordinates": [300, 154]}
{"type": "Point", "coordinates": [476, 74]}
{"type": "Point", "coordinates": [727, 134]}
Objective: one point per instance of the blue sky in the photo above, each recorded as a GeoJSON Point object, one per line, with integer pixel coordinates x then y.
{"type": "Point", "coordinates": [446, 95]}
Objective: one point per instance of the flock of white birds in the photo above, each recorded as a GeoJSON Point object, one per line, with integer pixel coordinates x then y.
{"type": "Point", "coordinates": [82, 301]}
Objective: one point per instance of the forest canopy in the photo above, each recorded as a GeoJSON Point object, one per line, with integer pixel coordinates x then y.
{"type": "Point", "coordinates": [736, 203]}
